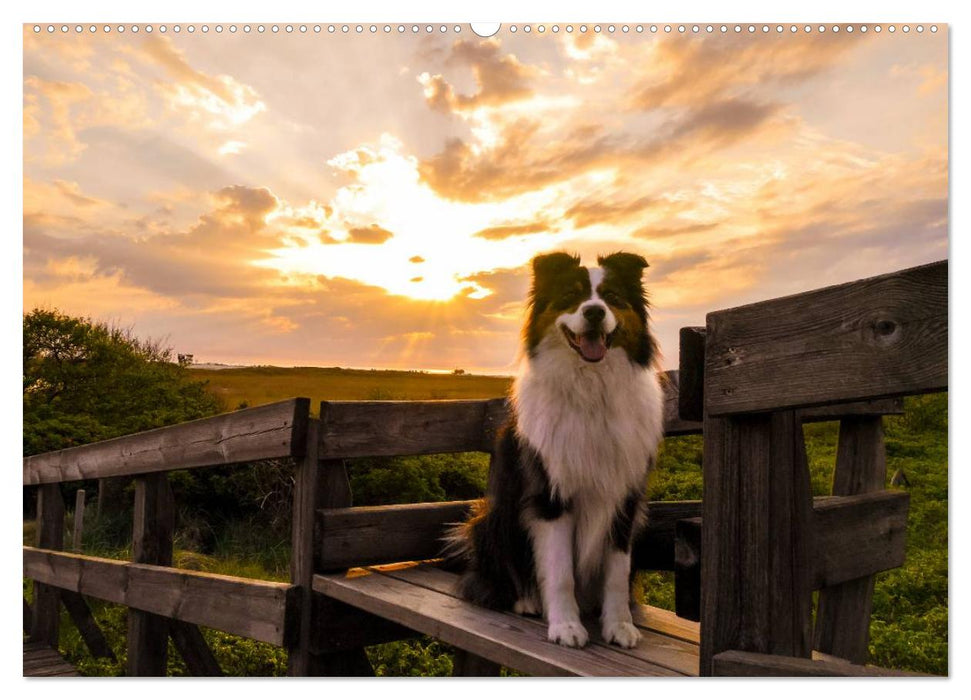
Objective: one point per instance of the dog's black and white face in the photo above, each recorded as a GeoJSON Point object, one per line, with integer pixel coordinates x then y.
{"type": "Point", "coordinates": [591, 310]}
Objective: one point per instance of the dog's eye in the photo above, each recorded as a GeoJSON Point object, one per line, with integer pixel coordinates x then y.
{"type": "Point", "coordinates": [614, 299]}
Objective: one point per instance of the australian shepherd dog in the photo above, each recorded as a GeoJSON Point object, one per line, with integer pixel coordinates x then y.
{"type": "Point", "coordinates": [565, 495]}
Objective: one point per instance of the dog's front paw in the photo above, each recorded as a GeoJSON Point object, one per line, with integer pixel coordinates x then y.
{"type": "Point", "coordinates": [569, 633]}
{"type": "Point", "coordinates": [621, 633]}
{"type": "Point", "coordinates": [527, 605]}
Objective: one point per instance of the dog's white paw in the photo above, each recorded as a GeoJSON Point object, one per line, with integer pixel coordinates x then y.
{"type": "Point", "coordinates": [621, 633]}
{"type": "Point", "coordinates": [527, 606]}
{"type": "Point", "coordinates": [569, 633]}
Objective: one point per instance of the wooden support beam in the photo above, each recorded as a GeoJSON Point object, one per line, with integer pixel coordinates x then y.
{"type": "Point", "coordinates": [46, 618]}
{"type": "Point", "coordinates": [691, 373]}
{"type": "Point", "coordinates": [687, 569]}
{"type": "Point", "coordinates": [78, 521]}
{"type": "Point", "coordinates": [28, 616]}
{"type": "Point", "coordinates": [467, 664]}
{"type": "Point", "coordinates": [87, 626]}
{"type": "Point", "coordinates": [843, 612]}
{"type": "Point", "coordinates": [245, 607]}
{"type": "Point", "coordinates": [266, 432]}
{"type": "Point", "coordinates": [756, 574]}
{"type": "Point", "coordinates": [154, 521]}
{"type": "Point", "coordinates": [193, 649]}
{"type": "Point", "coordinates": [321, 483]}
{"type": "Point", "coordinates": [742, 663]}
{"type": "Point", "coordinates": [878, 337]}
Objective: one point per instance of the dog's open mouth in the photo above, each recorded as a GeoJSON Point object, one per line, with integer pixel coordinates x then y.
{"type": "Point", "coordinates": [592, 346]}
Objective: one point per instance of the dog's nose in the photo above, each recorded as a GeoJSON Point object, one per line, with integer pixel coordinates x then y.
{"type": "Point", "coordinates": [594, 314]}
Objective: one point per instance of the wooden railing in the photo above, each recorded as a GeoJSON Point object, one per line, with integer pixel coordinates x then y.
{"type": "Point", "coordinates": [746, 559]}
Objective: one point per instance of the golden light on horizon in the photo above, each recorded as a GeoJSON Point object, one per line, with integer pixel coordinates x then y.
{"type": "Point", "coordinates": [178, 185]}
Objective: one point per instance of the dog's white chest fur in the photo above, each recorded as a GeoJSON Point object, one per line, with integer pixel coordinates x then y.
{"type": "Point", "coordinates": [597, 428]}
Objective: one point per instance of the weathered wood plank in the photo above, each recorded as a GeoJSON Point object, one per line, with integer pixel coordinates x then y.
{"type": "Point", "coordinates": [691, 372]}
{"type": "Point", "coordinates": [246, 607]}
{"type": "Point", "coordinates": [742, 663]}
{"type": "Point", "coordinates": [675, 654]}
{"type": "Point", "coordinates": [78, 521]}
{"type": "Point", "coordinates": [42, 660]}
{"type": "Point", "coordinates": [87, 626]}
{"type": "Point", "coordinates": [305, 497]}
{"type": "Point", "coordinates": [45, 621]}
{"type": "Point", "coordinates": [397, 428]}
{"type": "Point", "coordinates": [687, 569]}
{"type": "Point", "coordinates": [154, 523]}
{"type": "Point", "coordinates": [874, 338]}
{"type": "Point", "coordinates": [502, 638]}
{"type": "Point", "coordinates": [193, 649]}
{"type": "Point", "coordinates": [265, 432]}
{"type": "Point", "coordinates": [380, 534]}
{"type": "Point", "coordinates": [857, 536]}
{"type": "Point", "coordinates": [843, 611]}
{"type": "Point", "coordinates": [756, 575]}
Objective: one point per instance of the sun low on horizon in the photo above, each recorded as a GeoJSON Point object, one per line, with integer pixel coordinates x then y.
{"type": "Point", "coordinates": [373, 198]}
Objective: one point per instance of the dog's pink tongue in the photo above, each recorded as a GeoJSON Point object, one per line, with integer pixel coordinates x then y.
{"type": "Point", "coordinates": [593, 347]}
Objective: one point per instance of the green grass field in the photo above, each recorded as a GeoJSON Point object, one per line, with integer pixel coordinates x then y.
{"type": "Point", "coordinates": [909, 627]}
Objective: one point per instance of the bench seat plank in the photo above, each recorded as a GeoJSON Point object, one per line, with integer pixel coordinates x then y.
{"type": "Point", "coordinates": [677, 655]}
{"type": "Point", "coordinates": [422, 598]}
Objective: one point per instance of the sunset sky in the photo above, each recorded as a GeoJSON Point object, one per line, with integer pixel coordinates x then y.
{"type": "Point", "coordinates": [372, 200]}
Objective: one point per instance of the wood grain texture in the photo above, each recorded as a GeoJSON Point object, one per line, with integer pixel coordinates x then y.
{"type": "Point", "coordinates": [878, 337]}
{"type": "Point", "coordinates": [305, 497]}
{"type": "Point", "coordinates": [41, 660]}
{"type": "Point", "coordinates": [741, 663]}
{"type": "Point", "coordinates": [843, 611]}
{"type": "Point", "coordinates": [503, 638]}
{"type": "Point", "coordinates": [246, 607]}
{"type": "Point", "coordinates": [46, 617]}
{"type": "Point", "coordinates": [154, 524]}
{"type": "Point", "coordinates": [380, 534]}
{"type": "Point", "coordinates": [667, 650]}
{"type": "Point", "coordinates": [691, 371]}
{"type": "Point", "coordinates": [756, 574]}
{"type": "Point", "coordinates": [192, 647]}
{"type": "Point", "coordinates": [857, 536]}
{"type": "Point", "coordinates": [265, 432]}
{"type": "Point", "coordinates": [400, 428]}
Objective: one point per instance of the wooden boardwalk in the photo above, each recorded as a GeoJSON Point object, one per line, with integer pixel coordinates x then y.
{"type": "Point", "coordinates": [41, 660]}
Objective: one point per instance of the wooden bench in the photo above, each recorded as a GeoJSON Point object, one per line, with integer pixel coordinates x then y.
{"type": "Point", "coordinates": [422, 597]}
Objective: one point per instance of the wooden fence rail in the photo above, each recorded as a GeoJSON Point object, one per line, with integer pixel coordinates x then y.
{"type": "Point", "coordinates": [746, 558]}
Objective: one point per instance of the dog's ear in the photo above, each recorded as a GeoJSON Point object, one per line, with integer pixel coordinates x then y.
{"type": "Point", "coordinates": [626, 265]}
{"type": "Point", "coordinates": [551, 264]}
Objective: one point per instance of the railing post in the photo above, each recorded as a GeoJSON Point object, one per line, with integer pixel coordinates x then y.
{"type": "Point", "coordinates": [756, 588]}
{"type": "Point", "coordinates": [843, 613]}
{"type": "Point", "coordinates": [154, 521]}
{"type": "Point", "coordinates": [45, 622]}
{"type": "Point", "coordinates": [319, 484]}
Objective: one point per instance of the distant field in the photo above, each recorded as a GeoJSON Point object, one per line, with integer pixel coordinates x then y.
{"type": "Point", "coordinates": [254, 386]}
